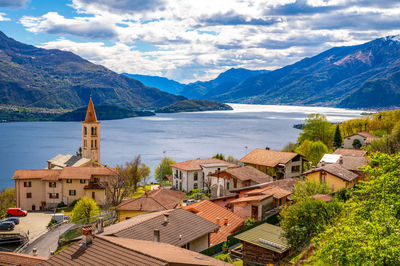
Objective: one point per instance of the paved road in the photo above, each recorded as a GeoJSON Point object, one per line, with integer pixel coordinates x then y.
{"type": "Point", "coordinates": [35, 222]}
{"type": "Point", "coordinates": [47, 242]}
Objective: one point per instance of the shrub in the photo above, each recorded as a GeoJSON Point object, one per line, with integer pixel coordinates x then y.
{"type": "Point", "coordinates": [61, 204]}
{"type": "Point", "coordinates": [224, 257]}
{"type": "Point", "coordinates": [74, 203]}
{"type": "Point", "coordinates": [85, 211]}
{"type": "Point", "coordinates": [249, 221]}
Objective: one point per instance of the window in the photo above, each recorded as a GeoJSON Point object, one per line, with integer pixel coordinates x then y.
{"type": "Point", "coordinates": [72, 192]}
{"type": "Point", "coordinates": [53, 195]}
{"type": "Point", "coordinates": [52, 184]}
{"type": "Point", "coordinates": [69, 180]}
{"type": "Point", "coordinates": [96, 180]}
{"type": "Point", "coordinates": [195, 186]}
{"type": "Point", "coordinates": [91, 144]}
{"type": "Point", "coordinates": [227, 185]}
{"type": "Point", "coordinates": [180, 174]}
{"type": "Point", "coordinates": [93, 195]}
{"type": "Point", "coordinates": [85, 143]}
{"type": "Point", "coordinates": [95, 143]}
{"type": "Point", "coordinates": [196, 175]}
{"type": "Point", "coordinates": [296, 169]}
{"type": "Point", "coordinates": [85, 131]}
{"type": "Point", "coordinates": [28, 184]}
{"type": "Point", "coordinates": [29, 195]}
{"type": "Point", "coordinates": [83, 181]}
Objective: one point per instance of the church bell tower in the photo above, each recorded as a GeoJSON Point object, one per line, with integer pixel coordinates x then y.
{"type": "Point", "coordinates": [91, 134]}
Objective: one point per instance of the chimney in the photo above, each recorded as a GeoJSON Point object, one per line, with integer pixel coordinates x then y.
{"type": "Point", "coordinates": [100, 226]}
{"type": "Point", "coordinates": [323, 163]}
{"type": "Point", "coordinates": [217, 221]}
{"type": "Point", "coordinates": [313, 167]}
{"type": "Point", "coordinates": [341, 160]}
{"type": "Point", "coordinates": [87, 236]}
{"type": "Point", "coordinates": [267, 148]}
{"type": "Point", "coordinates": [34, 252]}
{"type": "Point", "coordinates": [166, 217]}
{"type": "Point", "coordinates": [225, 221]}
{"type": "Point", "coordinates": [156, 235]}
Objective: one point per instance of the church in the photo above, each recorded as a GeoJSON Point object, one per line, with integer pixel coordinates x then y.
{"type": "Point", "coordinates": [67, 177]}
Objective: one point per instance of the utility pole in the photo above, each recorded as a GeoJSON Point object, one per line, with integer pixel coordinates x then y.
{"type": "Point", "coordinates": [161, 169]}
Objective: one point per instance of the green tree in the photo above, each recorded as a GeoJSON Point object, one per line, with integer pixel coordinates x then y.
{"type": "Point", "coordinates": [317, 128]}
{"type": "Point", "coordinates": [163, 169]}
{"type": "Point", "coordinates": [368, 232]}
{"type": "Point", "coordinates": [306, 219]}
{"type": "Point", "coordinates": [85, 211]}
{"type": "Point", "coordinates": [304, 189]}
{"type": "Point", "coordinates": [249, 221]}
{"type": "Point", "coordinates": [219, 156]}
{"type": "Point", "coordinates": [337, 140]}
{"type": "Point", "coordinates": [134, 171]}
{"type": "Point", "coordinates": [315, 152]}
{"type": "Point", "coordinates": [7, 200]}
{"type": "Point", "coordinates": [356, 144]}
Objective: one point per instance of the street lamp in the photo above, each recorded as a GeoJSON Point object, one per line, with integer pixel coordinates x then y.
{"type": "Point", "coordinates": [245, 148]}
{"type": "Point", "coordinates": [161, 168]}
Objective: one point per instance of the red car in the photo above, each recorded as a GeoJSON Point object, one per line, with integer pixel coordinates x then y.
{"type": "Point", "coordinates": [16, 212]}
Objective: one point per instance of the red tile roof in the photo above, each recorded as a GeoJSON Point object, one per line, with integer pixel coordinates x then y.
{"type": "Point", "coordinates": [195, 165]}
{"type": "Point", "coordinates": [211, 211]}
{"type": "Point", "coordinates": [90, 113]}
{"type": "Point", "coordinates": [245, 173]}
{"type": "Point", "coordinates": [268, 157]}
{"type": "Point", "coordinates": [274, 191]}
{"type": "Point", "coordinates": [251, 198]}
{"type": "Point", "coordinates": [45, 174]}
{"type": "Point", "coordinates": [10, 258]}
{"type": "Point", "coordinates": [65, 173]}
{"type": "Point", "coordinates": [155, 200]}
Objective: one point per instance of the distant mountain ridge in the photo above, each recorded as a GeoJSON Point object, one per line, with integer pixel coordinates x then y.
{"type": "Point", "coordinates": [361, 76]}
{"type": "Point", "coordinates": [36, 77]}
{"type": "Point", "coordinates": [164, 84]}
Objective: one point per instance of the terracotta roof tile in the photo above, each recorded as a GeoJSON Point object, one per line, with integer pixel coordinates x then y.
{"type": "Point", "coordinates": [350, 152]}
{"type": "Point", "coordinates": [155, 200]}
{"type": "Point", "coordinates": [85, 172]}
{"type": "Point", "coordinates": [90, 113]}
{"type": "Point", "coordinates": [336, 170]}
{"type": "Point", "coordinates": [182, 228]}
{"type": "Point", "coordinates": [10, 258]}
{"type": "Point", "coordinates": [211, 211]}
{"type": "Point", "coordinates": [245, 173]}
{"type": "Point", "coordinates": [268, 157]}
{"type": "Point", "coordinates": [194, 165]}
{"type": "Point", "coordinates": [45, 174]}
{"type": "Point", "coordinates": [251, 198]}
{"type": "Point", "coordinates": [286, 184]}
{"type": "Point", "coordinates": [275, 191]}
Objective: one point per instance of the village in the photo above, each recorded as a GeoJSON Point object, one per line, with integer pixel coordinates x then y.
{"type": "Point", "coordinates": [209, 211]}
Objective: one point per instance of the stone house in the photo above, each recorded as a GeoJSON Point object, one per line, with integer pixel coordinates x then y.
{"type": "Point", "coordinates": [365, 138]}
{"type": "Point", "coordinates": [195, 174]}
{"type": "Point", "coordinates": [277, 164]}
{"type": "Point", "coordinates": [263, 245]}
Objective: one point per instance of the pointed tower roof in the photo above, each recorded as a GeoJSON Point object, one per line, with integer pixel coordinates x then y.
{"type": "Point", "coordinates": [90, 113]}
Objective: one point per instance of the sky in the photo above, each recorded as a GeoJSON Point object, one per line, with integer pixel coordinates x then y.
{"type": "Point", "coordinates": [190, 40]}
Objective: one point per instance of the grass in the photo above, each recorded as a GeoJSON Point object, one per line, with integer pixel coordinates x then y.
{"type": "Point", "coordinates": [238, 262]}
{"type": "Point", "coordinates": [140, 191]}
{"type": "Point", "coordinates": [71, 235]}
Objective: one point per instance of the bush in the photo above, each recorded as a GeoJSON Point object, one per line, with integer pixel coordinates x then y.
{"type": "Point", "coordinates": [224, 257]}
{"type": "Point", "coordinates": [51, 223]}
{"type": "Point", "coordinates": [61, 204]}
{"type": "Point", "coordinates": [249, 221]}
{"type": "Point", "coordinates": [74, 203]}
{"type": "Point", "coordinates": [85, 211]}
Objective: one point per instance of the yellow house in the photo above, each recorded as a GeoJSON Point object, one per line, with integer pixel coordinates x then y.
{"type": "Point", "coordinates": [152, 201]}
{"type": "Point", "coordinates": [334, 175]}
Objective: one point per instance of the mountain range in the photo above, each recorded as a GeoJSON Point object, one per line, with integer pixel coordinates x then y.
{"type": "Point", "coordinates": [361, 76]}
{"type": "Point", "coordinates": [36, 77]}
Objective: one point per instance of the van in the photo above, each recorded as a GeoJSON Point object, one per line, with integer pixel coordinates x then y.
{"type": "Point", "coordinates": [16, 212]}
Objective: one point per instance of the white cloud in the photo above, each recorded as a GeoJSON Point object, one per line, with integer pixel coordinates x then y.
{"type": "Point", "coordinates": [3, 18]}
{"type": "Point", "coordinates": [189, 40]}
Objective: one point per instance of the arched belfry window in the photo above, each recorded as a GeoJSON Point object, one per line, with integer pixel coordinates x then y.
{"type": "Point", "coordinates": [85, 131]}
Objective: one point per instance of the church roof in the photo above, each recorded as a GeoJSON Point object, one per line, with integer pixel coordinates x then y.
{"type": "Point", "coordinates": [90, 113]}
{"type": "Point", "coordinates": [62, 160]}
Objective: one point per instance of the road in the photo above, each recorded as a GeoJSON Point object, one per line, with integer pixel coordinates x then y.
{"type": "Point", "coordinates": [34, 224]}
{"type": "Point", "coordinates": [47, 242]}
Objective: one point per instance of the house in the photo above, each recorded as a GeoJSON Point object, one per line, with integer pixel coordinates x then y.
{"type": "Point", "coordinates": [60, 161]}
{"type": "Point", "coordinates": [257, 203]}
{"type": "Point", "coordinates": [364, 138]}
{"type": "Point", "coordinates": [239, 177]}
{"type": "Point", "coordinates": [228, 221]}
{"type": "Point", "coordinates": [264, 245]}
{"type": "Point", "coordinates": [350, 152]}
{"type": "Point", "coordinates": [334, 175]}
{"type": "Point", "coordinates": [278, 164]}
{"type": "Point", "coordinates": [152, 201]}
{"type": "Point", "coordinates": [177, 227]}
{"type": "Point", "coordinates": [41, 189]}
{"type": "Point", "coordinates": [351, 163]}
{"type": "Point", "coordinates": [108, 250]}
{"type": "Point", "coordinates": [195, 174]}
{"type": "Point", "coordinates": [286, 184]}
{"type": "Point", "coordinates": [18, 259]}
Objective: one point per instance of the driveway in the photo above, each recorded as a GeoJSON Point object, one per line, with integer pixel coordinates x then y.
{"type": "Point", "coordinates": [33, 225]}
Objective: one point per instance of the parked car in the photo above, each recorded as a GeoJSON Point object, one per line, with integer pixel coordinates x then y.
{"type": "Point", "coordinates": [7, 226]}
{"type": "Point", "coordinates": [15, 220]}
{"type": "Point", "coordinates": [16, 212]}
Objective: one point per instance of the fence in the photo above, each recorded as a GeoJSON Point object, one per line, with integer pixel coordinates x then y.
{"type": "Point", "coordinates": [231, 240]}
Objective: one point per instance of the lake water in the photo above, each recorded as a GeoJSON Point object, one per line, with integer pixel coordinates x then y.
{"type": "Point", "coordinates": [183, 136]}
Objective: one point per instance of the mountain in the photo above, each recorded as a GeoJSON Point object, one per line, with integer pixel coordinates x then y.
{"type": "Point", "coordinates": [222, 84]}
{"type": "Point", "coordinates": [164, 84]}
{"type": "Point", "coordinates": [36, 77]}
{"type": "Point", "coordinates": [362, 76]}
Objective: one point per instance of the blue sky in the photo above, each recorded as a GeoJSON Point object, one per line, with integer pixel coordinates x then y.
{"type": "Point", "coordinates": [190, 40]}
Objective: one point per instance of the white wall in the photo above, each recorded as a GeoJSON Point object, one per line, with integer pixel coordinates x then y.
{"type": "Point", "coordinates": [348, 142]}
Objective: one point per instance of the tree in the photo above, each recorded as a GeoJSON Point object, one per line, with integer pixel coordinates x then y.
{"type": "Point", "coordinates": [134, 171]}
{"type": "Point", "coordinates": [85, 211]}
{"type": "Point", "coordinates": [304, 189]}
{"type": "Point", "coordinates": [356, 144]}
{"type": "Point", "coordinates": [7, 200]}
{"type": "Point", "coordinates": [317, 128]}
{"type": "Point", "coordinates": [232, 159]}
{"type": "Point", "coordinates": [219, 156]}
{"type": "Point", "coordinates": [116, 189]}
{"type": "Point", "coordinates": [315, 152]}
{"type": "Point", "coordinates": [79, 152]}
{"type": "Point", "coordinates": [306, 219]}
{"type": "Point", "coordinates": [368, 232]}
{"type": "Point", "coordinates": [163, 169]}
{"type": "Point", "coordinates": [337, 140]}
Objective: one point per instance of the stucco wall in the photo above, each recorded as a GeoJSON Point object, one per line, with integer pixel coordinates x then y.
{"type": "Point", "coordinates": [75, 185]}
{"type": "Point", "coordinates": [37, 190]}
{"type": "Point", "coordinates": [199, 244]}
{"type": "Point", "coordinates": [348, 142]}
{"type": "Point", "coordinates": [124, 215]}
{"type": "Point", "coordinates": [333, 182]}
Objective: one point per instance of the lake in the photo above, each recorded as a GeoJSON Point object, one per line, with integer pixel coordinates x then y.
{"type": "Point", "coordinates": [182, 136]}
